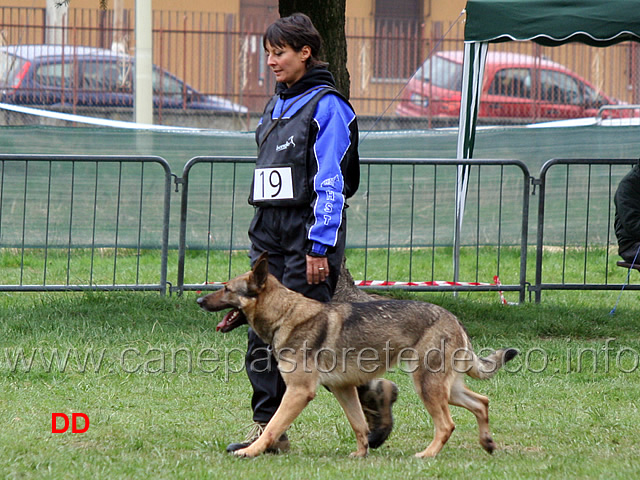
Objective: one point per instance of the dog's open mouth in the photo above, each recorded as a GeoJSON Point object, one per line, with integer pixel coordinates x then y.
{"type": "Point", "coordinates": [231, 320]}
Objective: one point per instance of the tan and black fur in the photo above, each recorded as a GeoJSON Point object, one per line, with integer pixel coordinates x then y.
{"type": "Point", "coordinates": [344, 345]}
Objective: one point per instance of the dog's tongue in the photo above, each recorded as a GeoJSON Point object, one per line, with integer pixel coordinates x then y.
{"type": "Point", "coordinates": [230, 321]}
{"type": "Point", "coordinates": [226, 322]}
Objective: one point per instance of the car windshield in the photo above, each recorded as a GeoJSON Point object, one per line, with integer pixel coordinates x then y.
{"type": "Point", "coordinates": [441, 72]}
{"type": "Point", "coordinates": [593, 99]}
{"type": "Point", "coordinates": [163, 84]}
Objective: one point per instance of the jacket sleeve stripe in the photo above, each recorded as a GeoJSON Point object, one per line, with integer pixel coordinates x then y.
{"type": "Point", "coordinates": [333, 118]}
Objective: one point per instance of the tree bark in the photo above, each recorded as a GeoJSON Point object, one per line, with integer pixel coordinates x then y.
{"type": "Point", "coordinates": [329, 18]}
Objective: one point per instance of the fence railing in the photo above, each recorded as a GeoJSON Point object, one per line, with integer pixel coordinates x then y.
{"type": "Point", "coordinates": [400, 224]}
{"type": "Point", "coordinates": [71, 222]}
{"type": "Point", "coordinates": [103, 222]}
{"type": "Point", "coordinates": [383, 54]}
{"type": "Point", "coordinates": [618, 115]}
{"type": "Point", "coordinates": [581, 213]}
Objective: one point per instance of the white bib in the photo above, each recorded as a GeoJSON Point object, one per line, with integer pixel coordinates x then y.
{"type": "Point", "coordinates": [272, 184]}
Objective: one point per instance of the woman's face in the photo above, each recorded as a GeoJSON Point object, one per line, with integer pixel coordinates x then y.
{"type": "Point", "coordinates": [288, 65]}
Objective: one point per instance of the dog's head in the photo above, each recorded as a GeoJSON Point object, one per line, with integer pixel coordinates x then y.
{"type": "Point", "coordinates": [240, 294]}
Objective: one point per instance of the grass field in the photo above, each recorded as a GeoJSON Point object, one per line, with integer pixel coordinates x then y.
{"type": "Point", "coordinates": [165, 394]}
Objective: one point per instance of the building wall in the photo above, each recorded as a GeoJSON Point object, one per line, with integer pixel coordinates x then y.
{"type": "Point", "coordinates": [221, 6]}
{"type": "Point", "coordinates": [433, 9]}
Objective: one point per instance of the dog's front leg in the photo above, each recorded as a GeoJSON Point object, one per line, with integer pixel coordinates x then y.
{"type": "Point", "coordinates": [293, 402]}
{"type": "Point", "coordinates": [348, 398]}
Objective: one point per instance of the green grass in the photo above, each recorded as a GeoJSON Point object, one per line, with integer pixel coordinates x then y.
{"type": "Point", "coordinates": [106, 266]}
{"type": "Point", "coordinates": [164, 400]}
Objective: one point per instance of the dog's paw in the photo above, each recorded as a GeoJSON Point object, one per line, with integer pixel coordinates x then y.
{"type": "Point", "coordinates": [359, 453]}
{"type": "Point", "coordinates": [488, 444]}
{"type": "Point", "coordinates": [246, 453]}
{"type": "Point", "coordinates": [425, 454]}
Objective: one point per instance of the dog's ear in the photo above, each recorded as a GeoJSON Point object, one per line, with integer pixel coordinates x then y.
{"type": "Point", "coordinates": [261, 270]}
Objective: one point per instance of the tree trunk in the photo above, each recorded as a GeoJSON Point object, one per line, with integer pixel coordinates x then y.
{"type": "Point", "coordinates": [329, 18]}
{"type": "Point", "coordinates": [56, 15]}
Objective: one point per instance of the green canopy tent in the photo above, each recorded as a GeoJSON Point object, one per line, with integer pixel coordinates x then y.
{"type": "Point", "coordinates": [547, 22]}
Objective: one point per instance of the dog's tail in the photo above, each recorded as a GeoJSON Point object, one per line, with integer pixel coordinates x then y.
{"type": "Point", "coordinates": [485, 368]}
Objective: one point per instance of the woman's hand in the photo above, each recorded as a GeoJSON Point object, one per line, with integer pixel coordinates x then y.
{"type": "Point", "coordinates": [317, 269]}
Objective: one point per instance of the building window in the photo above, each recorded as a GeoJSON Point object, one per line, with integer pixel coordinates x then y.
{"type": "Point", "coordinates": [398, 32]}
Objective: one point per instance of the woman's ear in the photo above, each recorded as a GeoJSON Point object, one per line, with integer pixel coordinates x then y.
{"type": "Point", "coordinates": [305, 53]}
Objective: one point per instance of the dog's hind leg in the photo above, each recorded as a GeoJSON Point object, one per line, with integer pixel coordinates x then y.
{"type": "Point", "coordinates": [434, 390]}
{"type": "Point", "coordinates": [463, 396]}
{"type": "Point", "coordinates": [348, 399]}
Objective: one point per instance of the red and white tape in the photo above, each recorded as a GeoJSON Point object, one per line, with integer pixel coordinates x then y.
{"type": "Point", "coordinates": [497, 282]}
{"type": "Point", "coordinates": [435, 283]}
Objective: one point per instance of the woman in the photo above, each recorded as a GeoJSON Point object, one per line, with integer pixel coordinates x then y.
{"type": "Point", "coordinates": [307, 166]}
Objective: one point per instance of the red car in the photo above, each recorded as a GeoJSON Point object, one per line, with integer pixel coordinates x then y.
{"type": "Point", "coordinates": [517, 88]}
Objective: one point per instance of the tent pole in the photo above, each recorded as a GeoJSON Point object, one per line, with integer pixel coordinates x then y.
{"type": "Point", "coordinates": [472, 74]}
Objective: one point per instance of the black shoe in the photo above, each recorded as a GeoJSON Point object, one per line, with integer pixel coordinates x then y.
{"type": "Point", "coordinates": [377, 397]}
{"type": "Point", "coordinates": [281, 446]}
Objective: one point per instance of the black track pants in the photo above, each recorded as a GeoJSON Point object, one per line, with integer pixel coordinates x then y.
{"type": "Point", "coordinates": [282, 233]}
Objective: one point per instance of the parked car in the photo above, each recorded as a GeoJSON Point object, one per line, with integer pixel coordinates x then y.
{"type": "Point", "coordinates": [517, 88]}
{"type": "Point", "coordinates": [53, 75]}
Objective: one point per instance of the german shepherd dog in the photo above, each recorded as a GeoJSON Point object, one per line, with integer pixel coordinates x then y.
{"type": "Point", "coordinates": [343, 345]}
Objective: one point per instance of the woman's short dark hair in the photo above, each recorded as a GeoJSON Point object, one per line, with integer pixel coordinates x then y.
{"type": "Point", "coordinates": [296, 30]}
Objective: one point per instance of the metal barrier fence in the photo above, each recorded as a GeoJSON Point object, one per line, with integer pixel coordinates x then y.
{"type": "Point", "coordinates": [400, 238]}
{"type": "Point", "coordinates": [109, 208]}
{"type": "Point", "coordinates": [582, 215]}
{"type": "Point", "coordinates": [72, 223]}
{"type": "Point", "coordinates": [614, 115]}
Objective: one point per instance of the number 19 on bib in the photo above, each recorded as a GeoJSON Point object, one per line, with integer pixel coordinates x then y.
{"type": "Point", "coordinates": [272, 184]}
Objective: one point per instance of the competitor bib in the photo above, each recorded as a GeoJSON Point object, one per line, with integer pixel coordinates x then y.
{"type": "Point", "coordinates": [272, 184]}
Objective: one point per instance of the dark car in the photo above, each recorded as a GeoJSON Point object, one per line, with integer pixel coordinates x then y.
{"type": "Point", "coordinates": [516, 88]}
{"type": "Point", "coordinates": [57, 75]}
